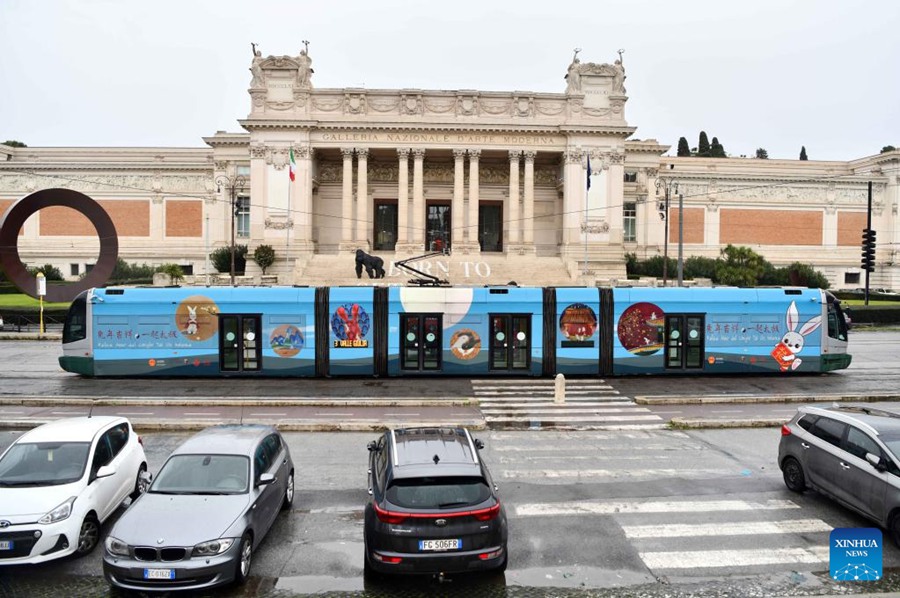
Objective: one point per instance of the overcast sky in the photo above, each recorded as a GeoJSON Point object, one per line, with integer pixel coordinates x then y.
{"type": "Point", "coordinates": [776, 74]}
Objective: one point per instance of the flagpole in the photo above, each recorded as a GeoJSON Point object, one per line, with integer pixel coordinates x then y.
{"type": "Point", "coordinates": [292, 168]}
{"type": "Point", "coordinates": [585, 226]}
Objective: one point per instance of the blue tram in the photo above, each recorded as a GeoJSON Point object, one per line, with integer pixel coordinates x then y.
{"type": "Point", "coordinates": [452, 331]}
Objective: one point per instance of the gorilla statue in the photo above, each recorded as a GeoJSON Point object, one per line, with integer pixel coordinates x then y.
{"type": "Point", "coordinates": [373, 264]}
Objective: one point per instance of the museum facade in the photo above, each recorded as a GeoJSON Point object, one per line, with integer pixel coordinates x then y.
{"type": "Point", "coordinates": [541, 188]}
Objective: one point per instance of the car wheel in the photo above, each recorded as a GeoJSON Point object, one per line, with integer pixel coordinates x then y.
{"type": "Point", "coordinates": [245, 556]}
{"type": "Point", "coordinates": [793, 475]}
{"type": "Point", "coordinates": [140, 483]}
{"type": "Point", "coordinates": [88, 536]}
{"type": "Point", "coordinates": [288, 493]}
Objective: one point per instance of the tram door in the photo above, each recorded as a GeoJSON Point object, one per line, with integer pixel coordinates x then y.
{"type": "Point", "coordinates": [239, 346]}
{"type": "Point", "coordinates": [684, 341]}
{"type": "Point", "coordinates": [421, 340]}
{"type": "Point", "coordinates": [510, 341]}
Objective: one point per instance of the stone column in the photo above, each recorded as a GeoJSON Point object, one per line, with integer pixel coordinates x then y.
{"type": "Point", "coordinates": [418, 215]}
{"type": "Point", "coordinates": [512, 211]}
{"type": "Point", "coordinates": [363, 224]}
{"type": "Point", "coordinates": [616, 198]}
{"type": "Point", "coordinates": [300, 216]}
{"type": "Point", "coordinates": [457, 208]}
{"type": "Point", "coordinates": [347, 200]}
{"type": "Point", "coordinates": [574, 192]}
{"type": "Point", "coordinates": [528, 207]}
{"type": "Point", "coordinates": [403, 196]}
{"type": "Point", "coordinates": [305, 171]}
{"type": "Point", "coordinates": [472, 224]}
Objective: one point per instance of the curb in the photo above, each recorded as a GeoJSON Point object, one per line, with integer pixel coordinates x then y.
{"type": "Point", "coordinates": [284, 426]}
{"type": "Point", "coordinates": [711, 400]}
{"type": "Point", "coordinates": [702, 423]}
{"type": "Point", "coordinates": [222, 402]}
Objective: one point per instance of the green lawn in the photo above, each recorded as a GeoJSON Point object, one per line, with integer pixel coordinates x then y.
{"type": "Point", "coordinates": [855, 302]}
{"type": "Point", "coordinates": [18, 301]}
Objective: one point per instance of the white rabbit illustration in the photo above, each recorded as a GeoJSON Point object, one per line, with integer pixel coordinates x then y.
{"type": "Point", "coordinates": [192, 321]}
{"type": "Point", "coordinates": [793, 339]}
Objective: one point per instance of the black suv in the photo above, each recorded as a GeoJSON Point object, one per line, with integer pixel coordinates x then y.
{"type": "Point", "coordinates": [434, 506]}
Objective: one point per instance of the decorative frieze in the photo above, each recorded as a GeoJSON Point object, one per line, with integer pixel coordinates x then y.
{"type": "Point", "coordinates": [354, 103]}
{"type": "Point", "coordinates": [279, 224]}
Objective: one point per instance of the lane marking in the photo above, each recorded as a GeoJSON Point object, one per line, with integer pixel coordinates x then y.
{"type": "Point", "coordinates": [705, 559]}
{"type": "Point", "coordinates": [562, 409]}
{"type": "Point", "coordinates": [612, 473]}
{"type": "Point", "coordinates": [135, 413]}
{"type": "Point", "coordinates": [399, 414]}
{"type": "Point", "coordinates": [334, 413]}
{"type": "Point", "coordinates": [267, 414]}
{"type": "Point", "coordinates": [624, 508]}
{"type": "Point", "coordinates": [603, 418]}
{"type": "Point", "coordinates": [737, 528]}
{"type": "Point", "coordinates": [201, 413]}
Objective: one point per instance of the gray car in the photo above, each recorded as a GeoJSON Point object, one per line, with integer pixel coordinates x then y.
{"type": "Point", "coordinates": [850, 454]}
{"type": "Point", "coordinates": [205, 513]}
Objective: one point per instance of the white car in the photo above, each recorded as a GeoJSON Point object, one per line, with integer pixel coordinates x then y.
{"type": "Point", "coordinates": [61, 481]}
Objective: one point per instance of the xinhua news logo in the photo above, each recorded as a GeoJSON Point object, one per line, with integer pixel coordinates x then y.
{"type": "Point", "coordinates": [855, 554]}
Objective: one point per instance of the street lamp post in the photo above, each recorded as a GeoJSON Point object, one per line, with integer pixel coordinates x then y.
{"type": "Point", "coordinates": [668, 185]}
{"type": "Point", "coordinates": [231, 184]}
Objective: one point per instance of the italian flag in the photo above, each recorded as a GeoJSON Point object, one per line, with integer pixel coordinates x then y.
{"type": "Point", "coordinates": [293, 171]}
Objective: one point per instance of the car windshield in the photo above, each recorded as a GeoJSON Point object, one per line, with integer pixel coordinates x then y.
{"type": "Point", "coordinates": [203, 474]}
{"type": "Point", "coordinates": [43, 463]}
{"type": "Point", "coordinates": [892, 441]}
{"type": "Point", "coordinates": [438, 492]}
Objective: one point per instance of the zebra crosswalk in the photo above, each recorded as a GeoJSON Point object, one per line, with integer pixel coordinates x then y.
{"type": "Point", "coordinates": [589, 405]}
{"type": "Point", "coordinates": [699, 534]}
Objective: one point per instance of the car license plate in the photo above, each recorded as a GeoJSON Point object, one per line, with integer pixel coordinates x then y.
{"type": "Point", "coordinates": [159, 573]}
{"type": "Point", "coordinates": [6, 545]}
{"type": "Point", "coordinates": [453, 544]}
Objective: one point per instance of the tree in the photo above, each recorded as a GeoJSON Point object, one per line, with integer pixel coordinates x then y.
{"type": "Point", "coordinates": [264, 256]}
{"type": "Point", "coordinates": [762, 154]}
{"type": "Point", "coordinates": [14, 143]}
{"type": "Point", "coordinates": [683, 149]}
{"type": "Point", "coordinates": [173, 270]}
{"type": "Point", "coordinates": [740, 266]}
{"type": "Point", "coordinates": [803, 153]}
{"type": "Point", "coordinates": [716, 150]}
{"type": "Point", "coordinates": [131, 273]}
{"type": "Point", "coordinates": [700, 267]}
{"type": "Point", "coordinates": [703, 145]}
{"type": "Point", "coordinates": [804, 275]}
{"type": "Point", "coordinates": [221, 259]}
{"type": "Point", "coordinates": [50, 271]}
{"type": "Point", "coordinates": [887, 148]}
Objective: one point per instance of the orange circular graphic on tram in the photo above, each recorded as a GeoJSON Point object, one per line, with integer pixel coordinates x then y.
{"type": "Point", "coordinates": [197, 317]}
{"type": "Point", "coordinates": [286, 340]}
{"type": "Point", "coordinates": [465, 344]}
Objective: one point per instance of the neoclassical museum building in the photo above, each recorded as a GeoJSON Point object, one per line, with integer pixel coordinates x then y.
{"type": "Point", "coordinates": [540, 188]}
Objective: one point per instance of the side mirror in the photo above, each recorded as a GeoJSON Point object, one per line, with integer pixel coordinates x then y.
{"type": "Point", "coordinates": [266, 479]}
{"type": "Point", "coordinates": [877, 462]}
{"type": "Point", "coordinates": [479, 444]}
{"type": "Point", "coordinates": [372, 446]}
{"type": "Point", "coordinates": [105, 472]}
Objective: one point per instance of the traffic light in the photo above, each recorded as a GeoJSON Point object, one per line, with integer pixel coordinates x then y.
{"type": "Point", "coordinates": [868, 250]}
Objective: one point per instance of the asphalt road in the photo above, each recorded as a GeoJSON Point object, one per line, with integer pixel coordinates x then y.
{"type": "Point", "coordinates": [652, 513]}
{"type": "Point", "coordinates": [31, 371]}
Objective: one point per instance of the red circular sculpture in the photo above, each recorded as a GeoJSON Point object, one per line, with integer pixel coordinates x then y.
{"type": "Point", "coordinates": [13, 220]}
